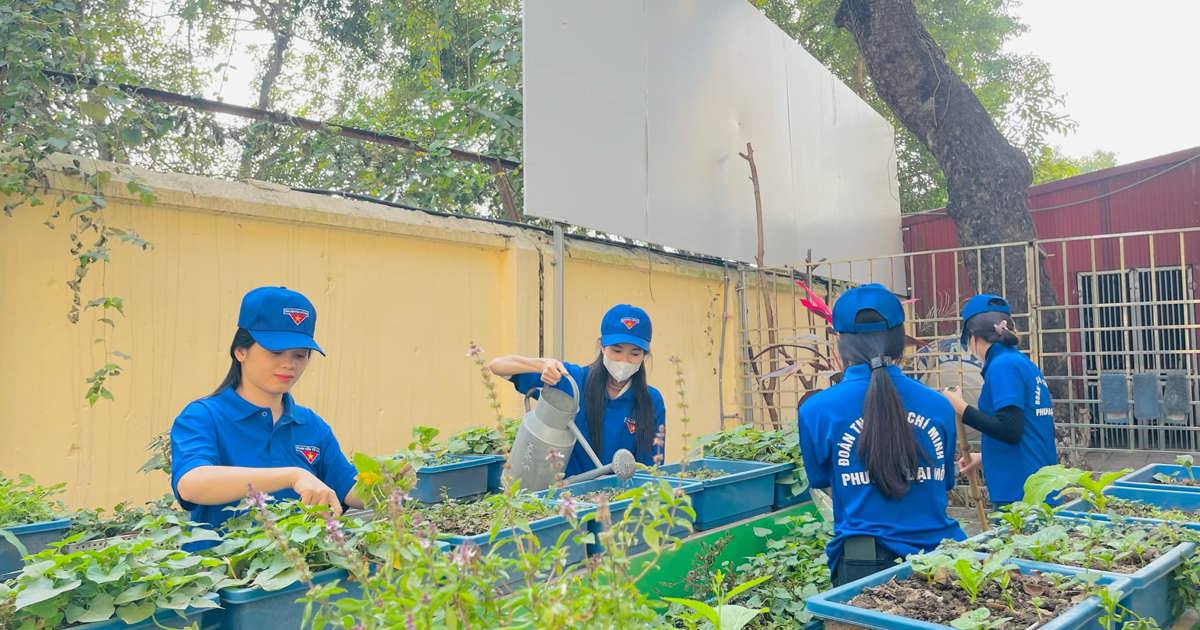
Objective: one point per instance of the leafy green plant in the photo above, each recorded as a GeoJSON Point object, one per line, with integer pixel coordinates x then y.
{"type": "Point", "coordinates": [424, 450]}
{"type": "Point", "coordinates": [128, 519]}
{"type": "Point", "coordinates": [160, 454]}
{"type": "Point", "coordinates": [485, 440]}
{"type": "Point", "coordinates": [798, 567]}
{"type": "Point", "coordinates": [723, 616]}
{"type": "Point", "coordinates": [979, 619]}
{"type": "Point", "coordinates": [23, 501]}
{"type": "Point", "coordinates": [263, 545]}
{"type": "Point", "coordinates": [748, 443]}
{"type": "Point", "coordinates": [1071, 482]}
{"type": "Point", "coordinates": [468, 518]}
{"type": "Point", "coordinates": [128, 580]}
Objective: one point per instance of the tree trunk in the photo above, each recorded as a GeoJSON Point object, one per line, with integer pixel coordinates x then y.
{"type": "Point", "coordinates": [987, 179]}
{"type": "Point", "coordinates": [279, 47]}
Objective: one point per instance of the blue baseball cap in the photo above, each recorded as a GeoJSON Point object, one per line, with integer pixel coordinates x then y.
{"type": "Point", "coordinates": [868, 297]}
{"type": "Point", "coordinates": [279, 319]}
{"type": "Point", "coordinates": [626, 323]}
{"type": "Point", "coordinates": [982, 303]}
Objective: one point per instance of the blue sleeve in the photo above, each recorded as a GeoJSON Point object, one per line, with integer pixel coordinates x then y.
{"type": "Point", "coordinates": [950, 447]}
{"type": "Point", "coordinates": [193, 444]}
{"type": "Point", "coordinates": [813, 451]}
{"type": "Point", "coordinates": [529, 380]}
{"type": "Point", "coordinates": [1007, 384]}
{"type": "Point", "coordinates": [337, 472]}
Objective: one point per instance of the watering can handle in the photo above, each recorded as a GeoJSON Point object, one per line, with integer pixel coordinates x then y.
{"type": "Point", "coordinates": [574, 387]}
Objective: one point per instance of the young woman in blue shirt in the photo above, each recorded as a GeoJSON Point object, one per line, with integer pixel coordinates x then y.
{"type": "Point", "coordinates": [882, 443]}
{"type": "Point", "coordinates": [618, 408]}
{"type": "Point", "coordinates": [1015, 412]}
{"type": "Point", "coordinates": [250, 433]}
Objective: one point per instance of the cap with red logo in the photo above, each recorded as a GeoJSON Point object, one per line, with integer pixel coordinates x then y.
{"type": "Point", "coordinates": [279, 319]}
{"type": "Point", "coordinates": [625, 323]}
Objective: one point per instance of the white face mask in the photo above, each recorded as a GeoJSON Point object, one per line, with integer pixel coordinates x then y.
{"type": "Point", "coordinates": [620, 370]}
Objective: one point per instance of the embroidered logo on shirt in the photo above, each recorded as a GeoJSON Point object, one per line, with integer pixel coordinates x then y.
{"type": "Point", "coordinates": [298, 315]}
{"type": "Point", "coordinates": [310, 453]}
{"type": "Point", "coordinates": [631, 425]}
{"type": "Point", "coordinates": [630, 322]}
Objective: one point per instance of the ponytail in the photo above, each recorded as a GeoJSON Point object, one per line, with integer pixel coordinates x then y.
{"type": "Point", "coordinates": [993, 327]}
{"type": "Point", "coordinates": [886, 444]}
{"type": "Point", "coordinates": [233, 378]}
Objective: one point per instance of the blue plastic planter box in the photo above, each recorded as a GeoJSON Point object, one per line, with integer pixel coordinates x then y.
{"type": "Point", "coordinates": [208, 618]}
{"type": "Point", "coordinates": [783, 489]}
{"type": "Point", "coordinates": [35, 537]}
{"type": "Point", "coordinates": [747, 490]}
{"type": "Point", "coordinates": [617, 508]}
{"type": "Point", "coordinates": [832, 605]}
{"type": "Point", "coordinates": [495, 470]}
{"type": "Point", "coordinates": [1148, 594]}
{"type": "Point", "coordinates": [464, 478]}
{"type": "Point", "coordinates": [1144, 478]}
{"type": "Point", "coordinates": [256, 609]}
{"type": "Point", "coordinates": [1170, 499]}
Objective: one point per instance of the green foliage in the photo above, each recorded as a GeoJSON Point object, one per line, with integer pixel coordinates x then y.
{"type": "Point", "coordinates": [127, 519]}
{"type": "Point", "coordinates": [160, 454]}
{"type": "Point", "coordinates": [425, 450]}
{"type": "Point", "coordinates": [485, 440]}
{"type": "Point", "coordinates": [746, 442]}
{"type": "Point", "coordinates": [1071, 482]}
{"type": "Point", "coordinates": [723, 616]}
{"type": "Point", "coordinates": [22, 501]}
{"type": "Point", "coordinates": [797, 566]}
{"type": "Point", "coordinates": [128, 580]}
{"type": "Point", "coordinates": [1049, 164]}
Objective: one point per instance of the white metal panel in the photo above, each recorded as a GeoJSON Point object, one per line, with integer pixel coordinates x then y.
{"type": "Point", "coordinates": [636, 110]}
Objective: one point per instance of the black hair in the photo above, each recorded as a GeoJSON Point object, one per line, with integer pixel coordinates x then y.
{"type": "Point", "coordinates": [233, 378]}
{"type": "Point", "coordinates": [886, 444]}
{"type": "Point", "coordinates": [993, 327]}
{"type": "Point", "coordinates": [595, 396]}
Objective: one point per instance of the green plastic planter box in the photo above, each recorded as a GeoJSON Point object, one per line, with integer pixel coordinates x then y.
{"type": "Point", "coordinates": [1148, 594]}
{"type": "Point", "coordinates": [257, 609]}
{"type": "Point", "coordinates": [748, 489]}
{"type": "Point", "coordinates": [207, 618]}
{"type": "Point", "coordinates": [833, 605]}
{"type": "Point", "coordinates": [617, 508]}
{"type": "Point", "coordinates": [463, 478]}
{"type": "Point", "coordinates": [35, 537]}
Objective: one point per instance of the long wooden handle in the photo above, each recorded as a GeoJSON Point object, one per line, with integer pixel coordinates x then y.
{"type": "Point", "coordinates": [964, 449]}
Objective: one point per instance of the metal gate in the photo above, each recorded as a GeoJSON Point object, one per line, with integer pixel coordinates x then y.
{"type": "Point", "coordinates": [1112, 321]}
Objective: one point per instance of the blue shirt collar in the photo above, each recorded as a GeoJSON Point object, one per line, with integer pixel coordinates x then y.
{"type": "Point", "coordinates": [241, 409]}
{"type": "Point", "coordinates": [996, 350]}
{"type": "Point", "coordinates": [862, 372]}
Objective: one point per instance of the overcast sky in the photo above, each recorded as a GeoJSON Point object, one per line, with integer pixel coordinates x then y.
{"type": "Point", "coordinates": [1130, 71]}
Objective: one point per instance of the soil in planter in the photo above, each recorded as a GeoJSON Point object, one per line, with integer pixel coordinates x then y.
{"type": "Point", "coordinates": [1120, 548]}
{"type": "Point", "coordinates": [1122, 507]}
{"type": "Point", "coordinates": [698, 473]}
{"type": "Point", "coordinates": [607, 495]}
{"type": "Point", "coordinates": [461, 518]}
{"type": "Point", "coordinates": [1036, 599]}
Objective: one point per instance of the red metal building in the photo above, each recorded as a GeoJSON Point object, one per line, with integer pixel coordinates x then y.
{"type": "Point", "coordinates": [1121, 247]}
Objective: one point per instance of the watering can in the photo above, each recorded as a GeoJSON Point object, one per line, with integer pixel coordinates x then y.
{"type": "Point", "coordinates": [548, 425]}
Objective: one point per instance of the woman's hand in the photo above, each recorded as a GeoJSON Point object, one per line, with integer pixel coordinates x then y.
{"type": "Point", "coordinates": [313, 491]}
{"type": "Point", "coordinates": [552, 371]}
{"type": "Point", "coordinates": [956, 400]}
{"type": "Point", "coordinates": [969, 464]}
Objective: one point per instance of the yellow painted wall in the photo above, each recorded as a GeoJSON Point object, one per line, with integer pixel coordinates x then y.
{"type": "Point", "coordinates": [399, 294]}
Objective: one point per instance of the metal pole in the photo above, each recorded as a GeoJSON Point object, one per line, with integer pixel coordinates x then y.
{"type": "Point", "coordinates": [559, 307]}
{"type": "Point", "coordinates": [721, 350]}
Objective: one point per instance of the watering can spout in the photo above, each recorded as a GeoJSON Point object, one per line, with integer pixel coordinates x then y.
{"type": "Point", "coordinates": [548, 426]}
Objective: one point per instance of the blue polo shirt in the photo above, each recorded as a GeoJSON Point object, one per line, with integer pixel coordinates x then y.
{"type": "Point", "coordinates": [618, 425]}
{"type": "Point", "coordinates": [227, 430]}
{"type": "Point", "coordinates": [830, 423]}
{"type": "Point", "coordinates": [1011, 379]}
